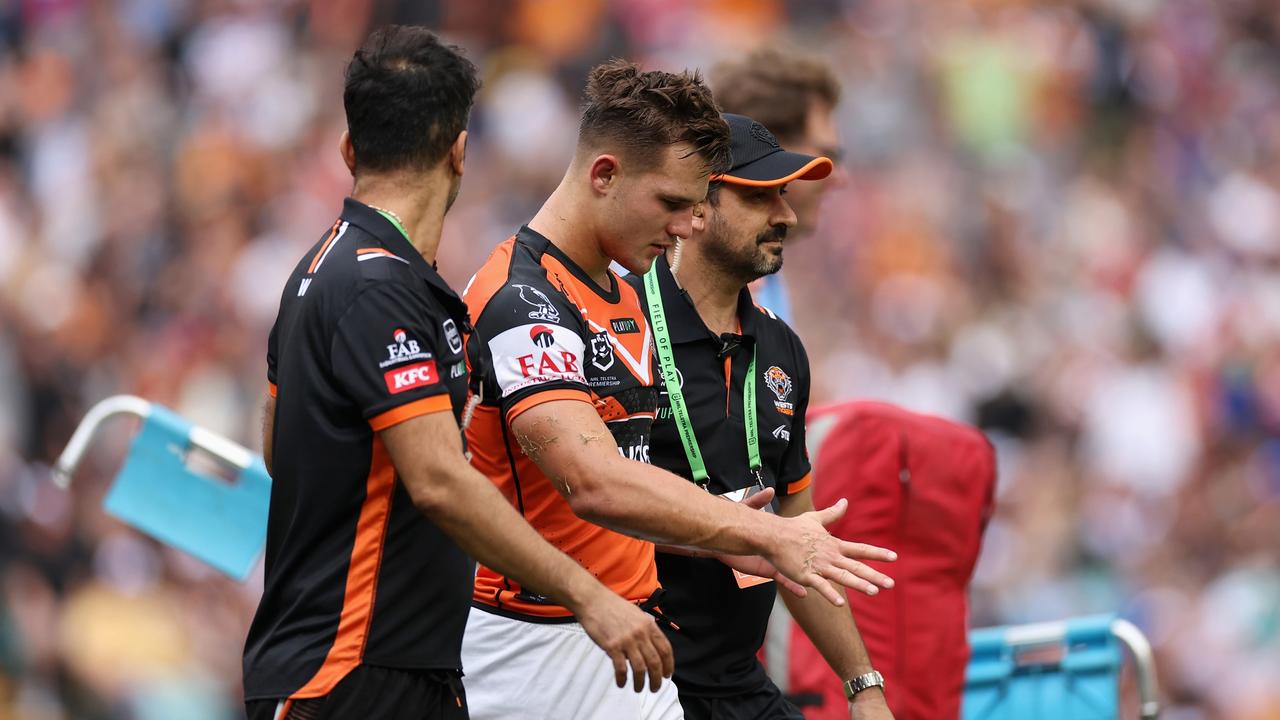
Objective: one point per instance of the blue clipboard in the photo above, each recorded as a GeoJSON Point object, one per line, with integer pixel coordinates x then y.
{"type": "Point", "coordinates": [221, 522]}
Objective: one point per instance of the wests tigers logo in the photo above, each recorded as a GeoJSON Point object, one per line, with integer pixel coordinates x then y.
{"type": "Point", "coordinates": [780, 383]}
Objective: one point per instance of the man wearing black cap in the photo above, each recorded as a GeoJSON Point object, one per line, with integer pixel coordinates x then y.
{"type": "Point", "coordinates": [737, 387]}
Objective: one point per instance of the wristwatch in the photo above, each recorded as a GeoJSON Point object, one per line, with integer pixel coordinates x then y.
{"type": "Point", "coordinates": [862, 682]}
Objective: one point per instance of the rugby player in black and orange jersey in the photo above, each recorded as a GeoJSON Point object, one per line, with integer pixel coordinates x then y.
{"type": "Point", "coordinates": [563, 423]}
{"type": "Point", "coordinates": [728, 352]}
{"type": "Point", "coordinates": [365, 599]}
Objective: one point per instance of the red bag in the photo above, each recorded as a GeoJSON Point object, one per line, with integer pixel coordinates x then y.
{"type": "Point", "coordinates": [924, 487]}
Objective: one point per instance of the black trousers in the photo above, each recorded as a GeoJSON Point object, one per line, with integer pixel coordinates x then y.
{"type": "Point", "coordinates": [377, 693]}
{"type": "Point", "coordinates": [763, 703]}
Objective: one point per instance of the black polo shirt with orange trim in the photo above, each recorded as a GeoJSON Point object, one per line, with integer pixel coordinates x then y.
{"type": "Point", "coordinates": [368, 335]}
{"type": "Point", "coordinates": [721, 624]}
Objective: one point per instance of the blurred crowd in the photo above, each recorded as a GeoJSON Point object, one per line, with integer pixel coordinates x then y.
{"type": "Point", "coordinates": [1057, 219]}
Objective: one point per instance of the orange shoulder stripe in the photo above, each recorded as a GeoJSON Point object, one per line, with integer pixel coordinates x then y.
{"type": "Point", "coordinates": [327, 241]}
{"type": "Point", "coordinates": [397, 415]}
{"type": "Point", "coordinates": [537, 399]}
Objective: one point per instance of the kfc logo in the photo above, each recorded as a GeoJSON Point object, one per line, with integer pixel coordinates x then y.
{"type": "Point", "coordinates": [414, 376]}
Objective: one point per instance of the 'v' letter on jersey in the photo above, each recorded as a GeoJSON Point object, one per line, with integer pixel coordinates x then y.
{"type": "Point", "coordinates": [528, 355]}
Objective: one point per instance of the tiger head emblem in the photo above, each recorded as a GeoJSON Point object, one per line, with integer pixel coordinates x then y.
{"type": "Point", "coordinates": [778, 381]}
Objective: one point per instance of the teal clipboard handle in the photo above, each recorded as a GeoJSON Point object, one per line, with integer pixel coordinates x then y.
{"type": "Point", "coordinates": [229, 452]}
{"type": "Point", "coordinates": [1144, 662]}
{"type": "Point", "coordinates": [1000, 642]}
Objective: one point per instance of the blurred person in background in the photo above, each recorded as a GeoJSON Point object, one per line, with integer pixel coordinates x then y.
{"type": "Point", "coordinates": [794, 95]}
{"type": "Point", "coordinates": [365, 601]}
{"type": "Point", "coordinates": [715, 347]}
{"type": "Point", "coordinates": [564, 420]}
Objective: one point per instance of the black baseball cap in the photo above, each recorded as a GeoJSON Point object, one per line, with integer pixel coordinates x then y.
{"type": "Point", "coordinates": [760, 161]}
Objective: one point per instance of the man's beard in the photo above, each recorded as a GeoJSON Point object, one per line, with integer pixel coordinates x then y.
{"type": "Point", "coordinates": [750, 265]}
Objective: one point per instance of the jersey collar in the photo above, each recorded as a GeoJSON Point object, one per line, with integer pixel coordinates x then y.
{"type": "Point", "coordinates": [541, 244]}
{"type": "Point", "coordinates": [391, 238]}
{"type": "Point", "coordinates": [685, 323]}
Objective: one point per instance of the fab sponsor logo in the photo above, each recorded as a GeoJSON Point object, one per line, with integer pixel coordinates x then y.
{"type": "Point", "coordinates": [549, 362]}
{"type": "Point", "coordinates": [527, 355]}
{"type": "Point", "coordinates": [403, 349]}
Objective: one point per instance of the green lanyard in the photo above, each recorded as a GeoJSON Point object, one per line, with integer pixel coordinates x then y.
{"type": "Point", "coordinates": [680, 411]}
{"type": "Point", "coordinates": [394, 221]}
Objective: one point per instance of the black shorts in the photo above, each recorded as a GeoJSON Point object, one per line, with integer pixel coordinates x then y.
{"type": "Point", "coordinates": [763, 703]}
{"type": "Point", "coordinates": [377, 693]}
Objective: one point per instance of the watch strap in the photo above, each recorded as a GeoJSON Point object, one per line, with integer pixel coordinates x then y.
{"type": "Point", "coordinates": [862, 682]}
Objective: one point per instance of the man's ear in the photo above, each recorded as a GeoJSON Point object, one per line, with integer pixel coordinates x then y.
{"type": "Point", "coordinates": [458, 153]}
{"type": "Point", "coordinates": [348, 151]}
{"type": "Point", "coordinates": [604, 173]}
{"type": "Point", "coordinates": [700, 217]}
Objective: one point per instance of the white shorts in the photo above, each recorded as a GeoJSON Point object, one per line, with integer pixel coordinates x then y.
{"type": "Point", "coordinates": [549, 671]}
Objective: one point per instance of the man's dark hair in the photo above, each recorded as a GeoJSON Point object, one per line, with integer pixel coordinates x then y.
{"type": "Point", "coordinates": [407, 97]}
{"type": "Point", "coordinates": [645, 112]}
{"type": "Point", "coordinates": [775, 87]}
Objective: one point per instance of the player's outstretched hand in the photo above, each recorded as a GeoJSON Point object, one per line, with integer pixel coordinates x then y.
{"type": "Point", "coordinates": [811, 556]}
{"type": "Point", "coordinates": [630, 636]}
{"type": "Point", "coordinates": [754, 564]}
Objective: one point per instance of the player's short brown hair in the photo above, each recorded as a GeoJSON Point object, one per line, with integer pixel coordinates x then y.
{"type": "Point", "coordinates": [642, 113]}
{"type": "Point", "coordinates": [775, 87]}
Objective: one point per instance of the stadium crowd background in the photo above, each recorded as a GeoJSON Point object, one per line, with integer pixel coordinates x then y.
{"type": "Point", "coordinates": [1059, 220]}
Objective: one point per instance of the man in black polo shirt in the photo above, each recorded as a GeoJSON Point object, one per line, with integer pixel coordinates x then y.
{"type": "Point", "coordinates": [365, 600]}
{"type": "Point", "coordinates": [737, 382]}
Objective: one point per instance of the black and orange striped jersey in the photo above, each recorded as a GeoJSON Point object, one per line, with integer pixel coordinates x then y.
{"type": "Point", "coordinates": [545, 331]}
{"type": "Point", "coordinates": [722, 625]}
{"type": "Point", "coordinates": [368, 335]}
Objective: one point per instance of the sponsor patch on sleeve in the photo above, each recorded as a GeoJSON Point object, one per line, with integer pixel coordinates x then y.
{"type": "Point", "coordinates": [413, 376]}
{"type": "Point", "coordinates": [536, 353]}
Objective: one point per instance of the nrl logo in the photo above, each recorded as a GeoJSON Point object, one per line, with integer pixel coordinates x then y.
{"type": "Point", "coordinates": [545, 310]}
{"type": "Point", "coordinates": [601, 351]}
{"type": "Point", "coordinates": [452, 336]}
